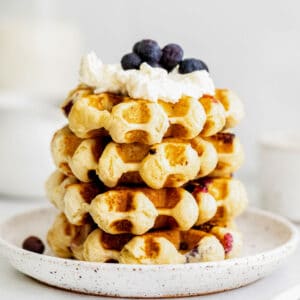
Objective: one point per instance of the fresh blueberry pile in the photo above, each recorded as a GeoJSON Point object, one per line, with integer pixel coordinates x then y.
{"type": "Point", "coordinates": [168, 57]}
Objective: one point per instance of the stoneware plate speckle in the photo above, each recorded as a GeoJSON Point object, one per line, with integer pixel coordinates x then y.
{"type": "Point", "coordinates": [268, 241]}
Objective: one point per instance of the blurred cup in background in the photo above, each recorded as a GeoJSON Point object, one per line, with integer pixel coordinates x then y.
{"type": "Point", "coordinates": [26, 128]}
{"type": "Point", "coordinates": [279, 173]}
{"type": "Point", "coordinates": [39, 58]}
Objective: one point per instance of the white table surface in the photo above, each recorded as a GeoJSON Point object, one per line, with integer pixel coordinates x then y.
{"type": "Point", "coordinates": [14, 285]}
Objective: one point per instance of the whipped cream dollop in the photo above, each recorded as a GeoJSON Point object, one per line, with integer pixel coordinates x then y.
{"type": "Point", "coordinates": [146, 83]}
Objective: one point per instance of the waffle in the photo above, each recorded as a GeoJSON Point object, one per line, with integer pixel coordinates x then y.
{"type": "Point", "coordinates": [230, 153]}
{"type": "Point", "coordinates": [171, 163]}
{"type": "Point", "coordinates": [156, 247]}
{"type": "Point", "coordinates": [229, 193]}
{"type": "Point", "coordinates": [65, 239]}
{"type": "Point", "coordinates": [191, 246]}
{"type": "Point", "coordinates": [137, 210]}
{"type": "Point", "coordinates": [56, 187]}
{"type": "Point", "coordinates": [129, 120]}
{"type": "Point", "coordinates": [140, 181]}
{"type": "Point", "coordinates": [234, 110]}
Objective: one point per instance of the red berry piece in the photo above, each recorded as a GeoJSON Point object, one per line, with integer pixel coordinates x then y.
{"type": "Point", "coordinates": [202, 188]}
{"type": "Point", "coordinates": [172, 54]}
{"type": "Point", "coordinates": [227, 242]}
{"type": "Point", "coordinates": [202, 185]}
{"type": "Point", "coordinates": [33, 244]}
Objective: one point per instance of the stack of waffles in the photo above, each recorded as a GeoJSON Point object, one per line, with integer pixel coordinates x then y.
{"type": "Point", "coordinates": [143, 182]}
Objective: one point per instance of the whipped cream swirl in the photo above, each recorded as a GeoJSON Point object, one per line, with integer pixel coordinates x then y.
{"type": "Point", "coordinates": [146, 83]}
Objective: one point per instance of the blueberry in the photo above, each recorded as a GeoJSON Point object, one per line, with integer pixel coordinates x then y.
{"type": "Point", "coordinates": [189, 65]}
{"type": "Point", "coordinates": [154, 64]}
{"type": "Point", "coordinates": [131, 61]}
{"type": "Point", "coordinates": [136, 47]}
{"type": "Point", "coordinates": [148, 50]}
{"type": "Point", "coordinates": [171, 56]}
{"type": "Point", "coordinates": [33, 244]}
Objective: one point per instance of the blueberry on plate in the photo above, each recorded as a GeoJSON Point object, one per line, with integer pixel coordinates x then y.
{"type": "Point", "coordinates": [189, 65]}
{"type": "Point", "coordinates": [172, 54]}
{"type": "Point", "coordinates": [131, 61]}
{"type": "Point", "coordinates": [34, 244]}
{"type": "Point", "coordinates": [148, 50]}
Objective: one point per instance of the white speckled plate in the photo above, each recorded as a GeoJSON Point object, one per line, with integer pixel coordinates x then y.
{"type": "Point", "coordinates": [269, 240]}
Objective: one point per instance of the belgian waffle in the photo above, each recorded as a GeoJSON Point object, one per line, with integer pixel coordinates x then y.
{"type": "Point", "coordinates": [129, 120]}
{"type": "Point", "coordinates": [136, 210]}
{"type": "Point", "coordinates": [234, 110]}
{"type": "Point", "coordinates": [171, 163]}
{"type": "Point", "coordinates": [230, 153]}
{"type": "Point", "coordinates": [65, 239]}
{"type": "Point", "coordinates": [145, 166]}
{"type": "Point", "coordinates": [156, 247]}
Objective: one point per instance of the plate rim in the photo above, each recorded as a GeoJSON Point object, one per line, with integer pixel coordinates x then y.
{"type": "Point", "coordinates": [291, 244]}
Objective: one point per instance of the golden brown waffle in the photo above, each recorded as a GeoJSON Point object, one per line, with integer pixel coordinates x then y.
{"type": "Point", "coordinates": [136, 210]}
{"type": "Point", "coordinates": [146, 182]}
{"type": "Point", "coordinates": [129, 120]}
{"type": "Point", "coordinates": [171, 163]}
{"type": "Point", "coordinates": [156, 247]}
{"type": "Point", "coordinates": [234, 110]}
{"type": "Point", "coordinates": [230, 153]}
{"type": "Point", "coordinates": [65, 239]}
{"type": "Point", "coordinates": [229, 193]}
{"type": "Point", "coordinates": [56, 187]}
